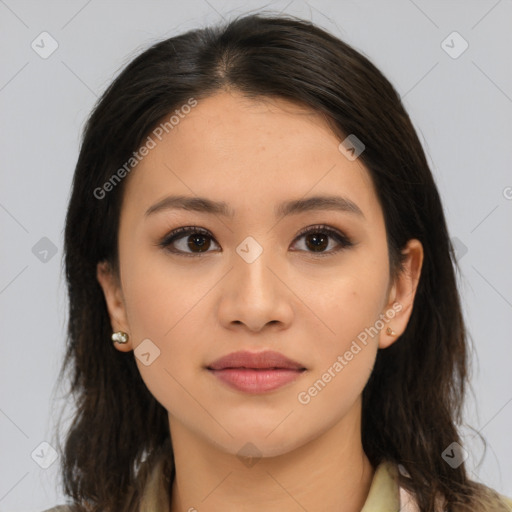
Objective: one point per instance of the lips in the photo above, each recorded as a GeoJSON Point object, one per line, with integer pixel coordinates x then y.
{"type": "Point", "coordinates": [256, 373]}
{"type": "Point", "coordinates": [255, 360]}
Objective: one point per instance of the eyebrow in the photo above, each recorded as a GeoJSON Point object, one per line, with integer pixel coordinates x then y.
{"type": "Point", "coordinates": [293, 207]}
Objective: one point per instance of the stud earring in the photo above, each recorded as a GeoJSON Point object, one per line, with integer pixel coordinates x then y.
{"type": "Point", "coordinates": [120, 337]}
{"type": "Point", "coordinates": [390, 332]}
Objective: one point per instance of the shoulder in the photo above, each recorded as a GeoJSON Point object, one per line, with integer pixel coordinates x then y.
{"type": "Point", "coordinates": [507, 501]}
{"type": "Point", "coordinates": [496, 499]}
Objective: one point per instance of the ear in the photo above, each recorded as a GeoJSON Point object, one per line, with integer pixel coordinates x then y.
{"type": "Point", "coordinates": [115, 302]}
{"type": "Point", "coordinates": [401, 296]}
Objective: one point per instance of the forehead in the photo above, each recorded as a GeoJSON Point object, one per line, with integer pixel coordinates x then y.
{"type": "Point", "coordinates": [237, 149]}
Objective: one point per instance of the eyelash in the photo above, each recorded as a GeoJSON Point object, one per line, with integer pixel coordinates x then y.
{"type": "Point", "coordinates": [179, 233]}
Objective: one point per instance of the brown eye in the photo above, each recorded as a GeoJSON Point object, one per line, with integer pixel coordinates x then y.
{"type": "Point", "coordinates": [317, 240]}
{"type": "Point", "coordinates": [188, 241]}
{"type": "Point", "coordinates": [198, 241]}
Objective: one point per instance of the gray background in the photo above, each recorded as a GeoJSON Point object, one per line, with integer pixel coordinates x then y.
{"type": "Point", "coordinates": [461, 108]}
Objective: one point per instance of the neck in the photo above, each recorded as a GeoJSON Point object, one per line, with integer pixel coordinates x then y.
{"type": "Point", "coordinates": [330, 472]}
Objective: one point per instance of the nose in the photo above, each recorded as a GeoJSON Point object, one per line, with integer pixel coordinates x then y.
{"type": "Point", "coordinates": [255, 294]}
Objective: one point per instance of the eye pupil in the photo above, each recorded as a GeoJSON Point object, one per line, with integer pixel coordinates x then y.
{"type": "Point", "coordinates": [201, 242]}
{"type": "Point", "coordinates": [319, 241]}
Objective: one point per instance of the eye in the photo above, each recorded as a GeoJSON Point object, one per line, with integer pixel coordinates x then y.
{"type": "Point", "coordinates": [316, 239]}
{"type": "Point", "coordinates": [193, 240]}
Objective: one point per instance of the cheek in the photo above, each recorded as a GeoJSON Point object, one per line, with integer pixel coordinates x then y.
{"type": "Point", "coordinates": [165, 304]}
{"type": "Point", "coordinates": [159, 294]}
{"type": "Point", "coordinates": [344, 356]}
{"type": "Point", "coordinates": [161, 308]}
{"type": "Point", "coordinates": [346, 302]}
{"type": "Point", "coordinates": [345, 353]}
{"type": "Point", "coordinates": [345, 347]}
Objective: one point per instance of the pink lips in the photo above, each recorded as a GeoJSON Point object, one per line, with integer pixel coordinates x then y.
{"type": "Point", "coordinates": [255, 372]}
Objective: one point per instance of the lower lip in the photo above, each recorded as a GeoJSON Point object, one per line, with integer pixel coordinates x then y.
{"type": "Point", "coordinates": [256, 381]}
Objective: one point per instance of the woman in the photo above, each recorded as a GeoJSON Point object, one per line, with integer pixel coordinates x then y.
{"type": "Point", "coordinates": [263, 306]}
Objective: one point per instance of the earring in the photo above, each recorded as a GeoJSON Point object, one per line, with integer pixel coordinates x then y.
{"type": "Point", "coordinates": [390, 332]}
{"type": "Point", "coordinates": [120, 337]}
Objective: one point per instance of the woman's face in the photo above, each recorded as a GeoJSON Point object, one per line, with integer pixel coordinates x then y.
{"type": "Point", "coordinates": [250, 281]}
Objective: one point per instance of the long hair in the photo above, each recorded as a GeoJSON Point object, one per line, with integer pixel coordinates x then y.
{"type": "Point", "coordinates": [413, 400]}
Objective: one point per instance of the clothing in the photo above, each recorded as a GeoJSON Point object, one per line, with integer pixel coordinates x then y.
{"type": "Point", "coordinates": [385, 495]}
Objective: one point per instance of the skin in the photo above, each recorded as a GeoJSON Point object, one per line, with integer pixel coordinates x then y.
{"type": "Point", "coordinates": [253, 155]}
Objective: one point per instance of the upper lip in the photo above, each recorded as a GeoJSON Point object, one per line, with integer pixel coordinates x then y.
{"type": "Point", "coordinates": [255, 360]}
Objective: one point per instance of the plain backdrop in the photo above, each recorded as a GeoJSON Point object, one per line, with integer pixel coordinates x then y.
{"type": "Point", "coordinates": [460, 101]}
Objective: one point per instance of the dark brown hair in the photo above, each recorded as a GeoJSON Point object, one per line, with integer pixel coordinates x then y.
{"type": "Point", "coordinates": [413, 401]}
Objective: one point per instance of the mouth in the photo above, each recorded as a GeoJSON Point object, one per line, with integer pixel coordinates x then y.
{"type": "Point", "coordinates": [256, 380]}
{"type": "Point", "coordinates": [256, 372]}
